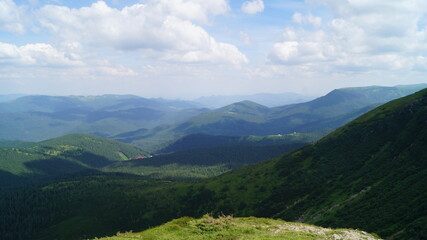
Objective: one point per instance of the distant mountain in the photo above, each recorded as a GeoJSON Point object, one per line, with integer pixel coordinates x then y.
{"type": "Point", "coordinates": [248, 118]}
{"type": "Point", "coordinates": [60, 156]}
{"type": "Point", "coordinates": [35, 118]}
{"type": "Point", "coordinates": [10, 97]}
{"type": "Point", "coordinates": [15, 143]}
{"type": "Point", "coordinates": [266, 99]}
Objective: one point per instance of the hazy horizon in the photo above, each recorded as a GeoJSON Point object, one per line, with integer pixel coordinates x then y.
{"type": "Point", "coordinates": [185, 49]}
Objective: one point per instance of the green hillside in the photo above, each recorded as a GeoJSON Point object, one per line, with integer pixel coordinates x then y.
{"type": "Point", "coordinates": [194, 141]}
{"type": "Point", "coordinates": [251, 228]}
{"type": "Point", "coordinates": [370, 174]}
{"type": "Point", "coordinates": [248, 118]}
{"type": "Point", "coordinates": [367, 175]}
{"type": "Point", "coordinates": [69, 154]}
{"type": "Point", "coordinates": [200, 162]}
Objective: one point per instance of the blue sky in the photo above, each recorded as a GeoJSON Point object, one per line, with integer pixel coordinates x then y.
{"type": "Point", "coordinates": [190, 48]}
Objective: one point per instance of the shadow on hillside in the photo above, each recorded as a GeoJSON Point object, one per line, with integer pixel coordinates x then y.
{"type": "Point", "coordinates": [232, 156]}
{"type": "Point", "coordinates": [8, 179]}
{"type": "Point", "coordinates": [89, 159]}
{"type": "Point", "coordinates": [54, 166]}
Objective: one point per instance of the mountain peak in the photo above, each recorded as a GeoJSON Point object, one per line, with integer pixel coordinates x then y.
{"type": "Point", "coordinates": [244, 105]}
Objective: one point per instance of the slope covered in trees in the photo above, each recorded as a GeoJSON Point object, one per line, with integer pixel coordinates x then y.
{"type": "Point", "coordinates": [65, 155]}
{"type": "Point", "coordinates": [370, 174]}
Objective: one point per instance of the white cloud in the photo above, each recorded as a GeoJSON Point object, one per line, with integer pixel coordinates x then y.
{"type": "Point", "coordinates": [38, 54]}
{"type": "Point", "coordinates": [253, 7]}
{"type": "Point", "coordinates": [192, 10]}
{"type": "Point", "coordinates": [165, 29]}
{"type": "Point", "coordinates": [307, 19]}
{"type": "Point", "coordinates": [48, 57]}
{"type": "Point", "coordinates": [361, 36]}
{"type": "Point", "coordinates": [11, 17]}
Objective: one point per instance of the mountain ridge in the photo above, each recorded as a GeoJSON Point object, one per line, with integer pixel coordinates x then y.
{"type": "Point", "coordinates": [246, 118]}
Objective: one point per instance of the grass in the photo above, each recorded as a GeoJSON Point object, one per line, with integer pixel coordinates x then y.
{"type": "Point", "coordinates": [249, 228]}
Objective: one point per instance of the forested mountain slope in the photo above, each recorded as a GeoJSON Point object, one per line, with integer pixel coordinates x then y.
{"type": "Point", "coordinates": [248, 118]}
{"type": "Point", "coordinates": [69, 154]}
{"type": "Point", "coordinates": [370, 174]}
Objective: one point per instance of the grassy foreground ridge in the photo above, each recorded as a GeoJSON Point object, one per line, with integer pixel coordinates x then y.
{"type": "Point", "coordinates": [248, 228]}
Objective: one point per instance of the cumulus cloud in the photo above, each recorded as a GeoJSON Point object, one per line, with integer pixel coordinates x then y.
{"type": "Point", "coordinates": [38, 54]}
{"type": "Point", "coordinates": [162, 29]}
{"type": "Point", "coordinates": [11, 17]}
{"type": "Point", "coordinates": [253, 7]}
{"type": "Point", "coordinates": [193, 10]}
{"type": "Point", "coordinates": [46, 56]}
{"type": "Point", "coordinates": [361, 36]}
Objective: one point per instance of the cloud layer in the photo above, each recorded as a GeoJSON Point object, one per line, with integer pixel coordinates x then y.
{"type": "Point", "coordinates": [361, 36]}
{"type": "Point", "coordinates": [215, 46]}
{"type": "Point", "coordinates": [35, 55]}
{"type": "Point", "coordinates": [163, 29]}
{"type": "Point", "coordinates": [11, 17]}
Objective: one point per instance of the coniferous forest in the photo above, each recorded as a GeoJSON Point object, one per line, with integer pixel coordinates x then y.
{"type": "Point", "coordinates": [369, 174]}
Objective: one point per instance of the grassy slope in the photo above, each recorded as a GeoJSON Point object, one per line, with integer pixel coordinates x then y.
{"type": "Point", "coordinates": [251, 228]}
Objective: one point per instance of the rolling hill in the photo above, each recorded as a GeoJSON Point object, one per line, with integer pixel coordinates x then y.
{"type": "Point", "coordinates": [248, 118]}
{"type": "Point", "coordinates": [79, 153]}
{"type": "Point", "coordinates": [266, 99]}
{"type": "Point", "coordinates": [37, 118]}
{"type": "Point", "coordinates": [69, 154]}
{"type": "Point", "coordinates": [369, 174]}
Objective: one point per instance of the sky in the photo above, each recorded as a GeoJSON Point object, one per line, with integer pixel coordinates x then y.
{"type": "Point", "coordinates": [190, 48]}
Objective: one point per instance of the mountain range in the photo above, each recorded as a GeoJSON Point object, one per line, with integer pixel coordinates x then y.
{"type": "Point", "coordinates": [369, 174]}
{"type": "Point", "coordinates": [37, 118]}
{"type": "Point", "coordinates": [266, 99]}
{"type": "Point", "coordinates": [248, 118]}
